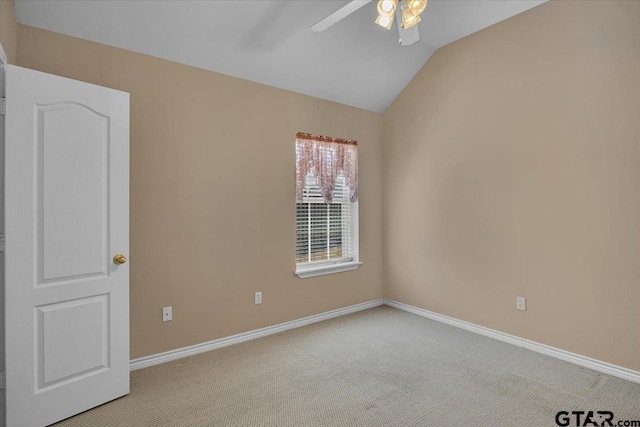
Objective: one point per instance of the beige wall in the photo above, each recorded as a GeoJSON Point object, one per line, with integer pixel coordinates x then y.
{"type": "Point", "coordinates": [8, 29]}
{"type": "Point", "coordinates": [213, 193]}
{"type": "Point", "coordinates": [512, 167]}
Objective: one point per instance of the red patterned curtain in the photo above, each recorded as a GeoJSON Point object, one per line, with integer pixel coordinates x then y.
{"type": "Point", "coordinates": [326, 158]}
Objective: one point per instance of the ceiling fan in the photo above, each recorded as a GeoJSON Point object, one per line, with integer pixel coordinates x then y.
{"type": "Point", "coordinates": [407, 16]}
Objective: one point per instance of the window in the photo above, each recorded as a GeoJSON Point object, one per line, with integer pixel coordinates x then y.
{"type": "Point", "coordinates": [326, 233]}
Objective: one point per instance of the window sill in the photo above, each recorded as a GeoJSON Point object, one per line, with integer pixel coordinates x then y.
{"type": "Point", "coordinates": [306, 272]}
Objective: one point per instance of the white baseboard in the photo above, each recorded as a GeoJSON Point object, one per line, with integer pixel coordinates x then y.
{"type": "Point", "coordinates": [179, 353]}
{"type": "Point", "coordinates": [587, 362]}
{"type": "Point", "coordinates": [3, 55]}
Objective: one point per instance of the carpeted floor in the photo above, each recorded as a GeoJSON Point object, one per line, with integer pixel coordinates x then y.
{"type": "Point", "coordinates": [379, 367]}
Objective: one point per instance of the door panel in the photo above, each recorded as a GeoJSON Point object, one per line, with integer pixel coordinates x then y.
{"type": "Point", "coordinates": [66, 216]}
{"type": "Point", "coordinates": [57, 357]}
{"type": "Point", "coordinates": [72, 149]}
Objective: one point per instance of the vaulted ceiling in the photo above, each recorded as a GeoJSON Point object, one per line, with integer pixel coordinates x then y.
{"type": "Point", "coordinates": [355, 62]}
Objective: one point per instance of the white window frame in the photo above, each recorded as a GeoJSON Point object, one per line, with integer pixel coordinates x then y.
{"type": "Point", "coordinates": [320, 268]}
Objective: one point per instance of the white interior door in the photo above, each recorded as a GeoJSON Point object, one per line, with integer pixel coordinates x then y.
{"type": "Point", "coordinates": [66, 217]}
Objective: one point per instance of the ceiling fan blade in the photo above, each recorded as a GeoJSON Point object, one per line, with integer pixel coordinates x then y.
{"type": "Point", "coordinates": [407, 36]}
{"type": "Point", "coordinates": [339, 15]}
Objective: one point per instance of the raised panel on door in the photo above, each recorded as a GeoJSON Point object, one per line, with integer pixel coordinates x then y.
{"type": "Point", "coordinates": [73, 185]}
{"type": "Point", "coordinates": [62, 357]}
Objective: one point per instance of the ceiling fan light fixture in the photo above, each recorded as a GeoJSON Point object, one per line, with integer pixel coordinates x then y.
{"type": "Point", "coordinates": [416, 6]}
{"type": "Point", "coordinates": [409, 19]}
{"type": "Point", "coordinates": [385, 22]}
{"type": "Point", "coordinates": [387, 7]}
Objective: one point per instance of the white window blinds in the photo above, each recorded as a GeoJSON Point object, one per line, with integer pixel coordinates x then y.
{"type": "Point", "coordinates": [324, 230]}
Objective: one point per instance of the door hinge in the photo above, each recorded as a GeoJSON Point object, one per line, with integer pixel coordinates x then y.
{"type": "Point", "coordinates": [3, 106]}
{"type": "Point", "coordinates": [3, 382]}
{"type": "Point", "coordinates": [1, 242]}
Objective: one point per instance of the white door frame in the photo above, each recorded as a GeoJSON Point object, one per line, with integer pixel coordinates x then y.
{"type": "Point", "coordinates": [3, 61]}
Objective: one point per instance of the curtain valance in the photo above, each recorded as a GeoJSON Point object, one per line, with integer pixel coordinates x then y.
{"type": "Point", "coordinates": [326, 158]}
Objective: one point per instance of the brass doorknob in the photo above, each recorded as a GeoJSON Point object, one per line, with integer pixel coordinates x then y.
{"type": "Point", "coordinates": [119, 259]}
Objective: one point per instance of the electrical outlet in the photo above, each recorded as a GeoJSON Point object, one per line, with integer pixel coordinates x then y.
{"type": "Point", "coordinates": [167, 313]}
{"type": "Point", "coordinates": [521, 303]}
{"type": "Point", "coordinates": [258, 298]}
